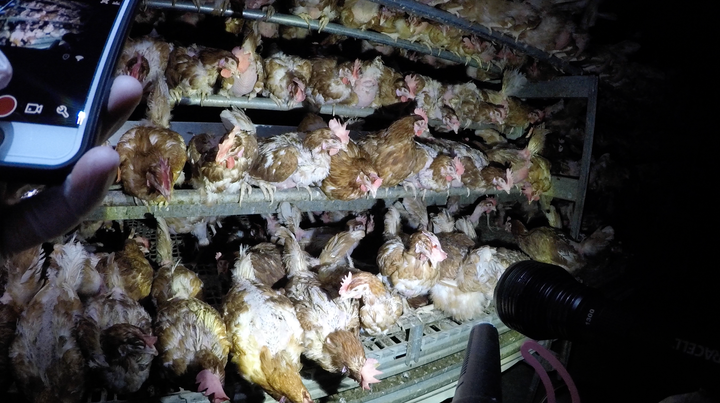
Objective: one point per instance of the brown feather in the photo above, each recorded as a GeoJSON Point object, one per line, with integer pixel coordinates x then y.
{"type": "Point", "coordinates": [141, 148]}
{"type": "Point", "coordinates": [393, 151]}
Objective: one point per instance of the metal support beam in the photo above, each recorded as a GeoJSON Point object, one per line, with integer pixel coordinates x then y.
{"type": "Point", "coordinates": [582, 184]}
{"type": "Point", "coordinates": [190, 203]}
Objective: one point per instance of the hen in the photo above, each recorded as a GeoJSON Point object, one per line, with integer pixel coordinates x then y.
{"type": "Point", "coordinates": [412, 268]}
{"type": "Point", "coordinates": [331, 83]}
{"type": "Point", "coordinates": [266, 261]}
{"type": "Point", "coordinates": [151, 162]}
{"type": "Point", "coordinates": [539, 179]}
{"type": "Point", "coordinates": [522, 162]}
{"type": "Point", "coordinates": [439, 172]}
{"type": "Point", "coordinates": [331, 326]}
{"type": "Point", "coordinates": [20, 279]}
{"type": "Point", "coordinates": [455, 244]}
{"type": "Point", "coordinates": [172, 279]}
{"type": "Point", "coordinates": [197, 226]}
{"type": "Point", "coordinates": [286, 78]}
{"type": "Point", "coordinates": [337, 251]}
{"type": "Point", "coordinates": [265, 335]}
{"type": "Point", "coordinates": [394, 152]}
{"type": "Point", "coordinates": [198, 71]}
{"type": "Point", "coordinates": [285, 161]}
{"type": "Point", "coordinates": [192, 344]}
{"type": "Point", "coordinates": [47, 360]}
{"type": "Point", "coordinates": [220, 167]}
{"type": "Point", "coordinates": [351, 174]}
{"type": "Point", "coordinates": [135, 272]}
{"type": "Point", "coordinates": [146, 59]}
{"type": "Point", "coordinates": [366, 82]}
{"type": "Point", "coordinates": [476, 174]}
{"type": "Point", "coordinates": [360, 14]}
{"type": "Point", "coordinates": [466, 295]}
{"type": "Point", "coordinates": [380, 309]}
{"type": "Point", "coordinates": [506, 16]}
{"type": "Point", "coordinates": [115, 334]}
{"type": "Point", "coordinates": [248, 76]}
{"type": "Point", "coordinates": [548, 245]}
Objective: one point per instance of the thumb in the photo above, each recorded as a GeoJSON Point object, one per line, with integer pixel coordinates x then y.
{"type": "Point", "coordinates": [58, 209]}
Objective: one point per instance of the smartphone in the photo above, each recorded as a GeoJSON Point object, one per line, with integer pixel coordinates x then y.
{"type": "Point", "coordinates": [62, 56]}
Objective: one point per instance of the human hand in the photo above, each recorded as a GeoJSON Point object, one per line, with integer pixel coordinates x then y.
{"type": "Point", "coordinates": [58, 209]}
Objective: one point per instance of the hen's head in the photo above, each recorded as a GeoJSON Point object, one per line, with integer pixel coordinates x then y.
{"type": "Point", "coordinates": [352, 287]}
{"type": "Point", "coordinates": [421, 125]}
{"type": "Point", "coordinates": [228, 67]}
{"type": "Point", "coordinates": [369, 182]}
{"type": "Point", "coordinates": [159, 177]}
{"type": "Point", "coordinates": [427, 247]}
{"type": "Point", "coordinates": [325, 140]}
{"type": "Point", "coordinates": [451, 122]}
{"type": "Point", "coordinates": [137, 67]}
{"type": "Point", "coordinates": [124, 341]}
{"type": "Point", "coordinates": [448, 169]}
{"type": "Point", "coordinates": [347, 353]}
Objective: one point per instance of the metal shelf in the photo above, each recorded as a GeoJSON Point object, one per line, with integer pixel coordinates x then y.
{"type": "Point", "coordinates": [443, 17]}
{"type": "Point", "coordinates": [190, 203]}
{"type": "Point", "coordinates": [332, 28]}
{"type": "Point", "coordinates": [268, 104]}
{"type": "Point", "coordinates": [560, 87]}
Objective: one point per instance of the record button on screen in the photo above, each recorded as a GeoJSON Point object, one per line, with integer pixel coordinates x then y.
{"type": "Point", "coordinates": [8, 103]}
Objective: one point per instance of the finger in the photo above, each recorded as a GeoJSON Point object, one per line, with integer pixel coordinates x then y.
{"type": "Point", "coordinates": [125, 95]}
{"type": "Point", "coordinates": [58, 209]}
{"type": "Point", "coordinates": [6, 71]}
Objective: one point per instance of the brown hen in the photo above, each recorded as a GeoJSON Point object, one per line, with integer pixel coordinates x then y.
{"type": "Point", "coordinates": [20, 279]}
{"type": "Point", "coordinates": [351, 175]}
{"type": "Point", "coordinates": [135, 271]}
{"type": "Point", "coordinates": [393, 151]}
{"type": "Point", "coordinates": [151, 162]}
{"type": "Point", "coordinates": [115, 333]}
{"type": "Point", "coordinates": [220, 166]}
{"type": "Point", "coordinates": [146, 59]}
{"type": "Point", "coordinates": [265, 335]}
{"type": "Point", "coordinates": [331, 326]}
{"type": "Point", "coordinates": [192, 343]}
{"type": "Point", "coordinates": [286, 79]}
{"type": "Point", "coordinates": [285, 161]}
{"type": "Point", "coordinates": [413, 267]}
{"type": "Point", "coordinates": [48, 363]}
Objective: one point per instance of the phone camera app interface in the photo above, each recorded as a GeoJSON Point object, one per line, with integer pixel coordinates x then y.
{"type": "Point", "coordinates": [51, 50]}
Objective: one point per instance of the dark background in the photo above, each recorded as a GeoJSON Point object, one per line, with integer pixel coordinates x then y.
{"type": "Point", "coordinates": [663, 135]}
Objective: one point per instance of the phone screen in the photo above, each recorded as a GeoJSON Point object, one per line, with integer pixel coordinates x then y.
{"type": "Point", "coordinates": [54, 48]}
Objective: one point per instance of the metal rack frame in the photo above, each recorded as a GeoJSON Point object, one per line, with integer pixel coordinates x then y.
{"type": "Point", "coordinates": [332, 28]}
{"type": "Point", "coordinates": [190, 203]}
{"type": "Point", "coordinates": [418, 342]}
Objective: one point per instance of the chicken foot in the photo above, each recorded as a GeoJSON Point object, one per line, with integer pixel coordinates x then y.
{"type": "Point", "coordinates": [306, 17]}
{"type": "Point", "coordinates": [267, 188]}
{"type": "Point", "coordinates": [323, 22]}
{"type": "Point", "coordinates": [245, 190]}
{"type": "Point", "coordinates": [306, 188]}
{"type": "Point", "coordinates": [407, 185]}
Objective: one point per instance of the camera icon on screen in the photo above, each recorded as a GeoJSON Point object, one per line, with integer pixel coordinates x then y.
{"type": "Point", "coordinates": [33, 108]}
